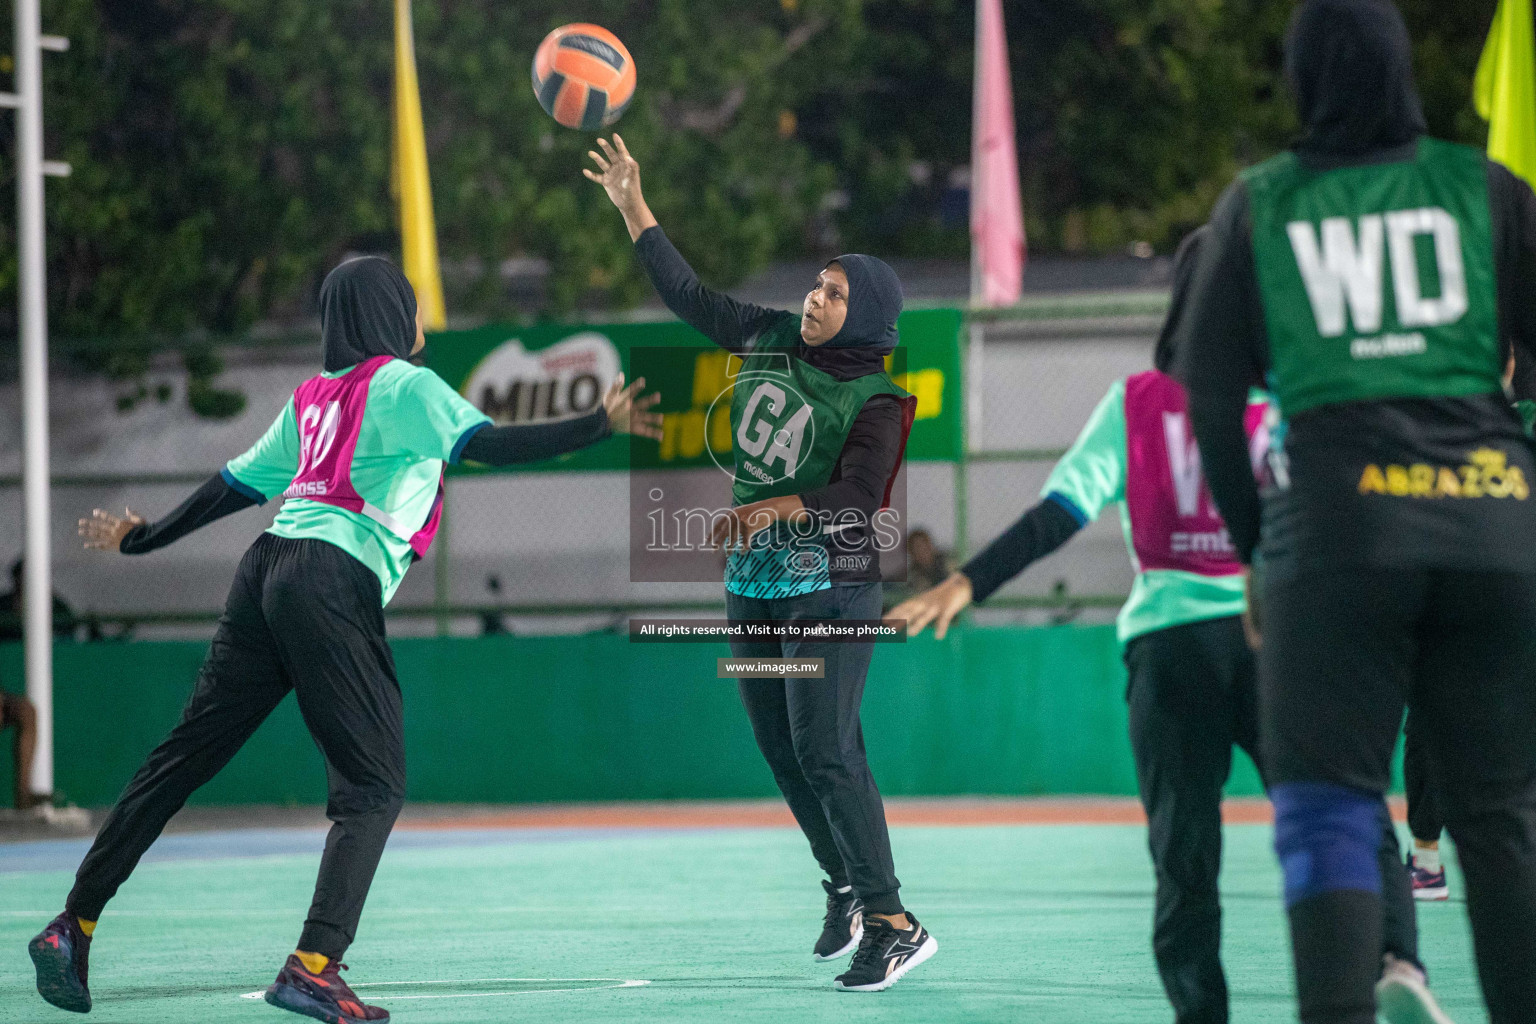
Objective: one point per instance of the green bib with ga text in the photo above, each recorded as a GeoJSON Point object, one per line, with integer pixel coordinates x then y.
{"type": "Point", "coordinates": [789, 421]}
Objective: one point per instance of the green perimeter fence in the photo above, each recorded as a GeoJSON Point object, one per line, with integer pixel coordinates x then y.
{"type": "Point", "coordinates": [989, 710]}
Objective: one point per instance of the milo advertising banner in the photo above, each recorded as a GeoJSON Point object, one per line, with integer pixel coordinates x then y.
{"type": "Point", "coordinates": [550, 372]}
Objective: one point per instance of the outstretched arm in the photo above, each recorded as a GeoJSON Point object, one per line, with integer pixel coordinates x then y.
{"type": "Point", "coordinates": [264, 470]}
{"type": "Point", "coordinates": [624, 411]}
{"type": "Point", "coordinates": [1090, 476]}
{"type": "Point", "coordinates": [132, 535]}
{"type": "Point", "coordinates": [534, 442]}
{"type": "Point", "coordinates": [731, 324]}
{"type": "Point", "coordinates": [1034, 535]}
{"type": "Point", "coordinates": [619, 174]}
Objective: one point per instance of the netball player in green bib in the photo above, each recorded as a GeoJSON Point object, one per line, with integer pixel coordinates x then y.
{"type": "Point", "coordinates": [1375, 278]}
{"type": "Point", "coordinates": [819, 430]}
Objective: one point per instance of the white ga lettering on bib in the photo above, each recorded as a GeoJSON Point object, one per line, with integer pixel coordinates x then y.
{"type": "Point", "coordinates": [754, 435]}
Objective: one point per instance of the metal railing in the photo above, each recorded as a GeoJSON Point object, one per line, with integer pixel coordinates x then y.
{"type": "Point", "coordinates": [616, 609]}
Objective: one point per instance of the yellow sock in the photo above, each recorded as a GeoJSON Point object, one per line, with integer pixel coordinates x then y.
{"type": "Point", "coordinates": [314, 963]}
{"type": "Point", "coordinates": [86, 926]}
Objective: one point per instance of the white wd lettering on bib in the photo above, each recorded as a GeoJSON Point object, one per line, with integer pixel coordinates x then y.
{"type": "Point", "coordinates": [1346, 266]}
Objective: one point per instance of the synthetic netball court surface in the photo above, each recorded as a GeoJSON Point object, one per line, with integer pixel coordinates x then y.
{"type": "Point", "coordinates": [676, 913]}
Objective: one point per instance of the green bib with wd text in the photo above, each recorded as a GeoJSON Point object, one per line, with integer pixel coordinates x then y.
{"type": "Point", "coordinates": [1378, 280]}
{"type": "Point", "coordinates": [789, 422]}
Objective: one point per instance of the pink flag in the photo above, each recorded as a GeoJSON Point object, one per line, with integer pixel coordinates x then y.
{"type": "Point", "coordinates": [997, 217]}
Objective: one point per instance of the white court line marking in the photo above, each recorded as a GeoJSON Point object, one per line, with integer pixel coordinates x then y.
{"type": "Point", "coordinates": [613, 983]}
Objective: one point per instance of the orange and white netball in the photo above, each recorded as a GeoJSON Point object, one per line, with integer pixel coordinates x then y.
{"type": "Point", "coordinates": [583, 75]}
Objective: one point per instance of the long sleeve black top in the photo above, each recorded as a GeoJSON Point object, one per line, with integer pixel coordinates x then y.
{"type": "Point", "coordinates": [534, 442]}
{"type": "Point", "coordinates": [494, 446]}
{"type": "Point", "coordinates": [1033, 535]}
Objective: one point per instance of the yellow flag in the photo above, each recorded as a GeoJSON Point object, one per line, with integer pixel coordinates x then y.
{"type": "Point", "coordinates": [1505, 88]}
{"type": "Point", "coordinates": [408, 176]}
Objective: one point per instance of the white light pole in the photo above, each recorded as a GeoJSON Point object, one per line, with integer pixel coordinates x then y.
{"type": "Point", "coordinates": [37, 595]}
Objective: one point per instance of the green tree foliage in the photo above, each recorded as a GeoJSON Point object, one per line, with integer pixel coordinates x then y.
{"type": "Point", "coordinates": [731, 188]}
{"type": "Point", "coordinates": [227, 152]}
{"type": "Point", "coordinates": [1132, 115]}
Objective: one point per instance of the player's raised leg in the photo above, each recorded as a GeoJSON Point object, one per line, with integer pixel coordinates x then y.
{"type": "Point", "coordinates": [768, 711]}
{"type": "Point", "coordinates": [1424, 821]}
{"type": "Point", "coordinates": [241, 681]}
{"type": "Point", "coordinates": [325, 608]}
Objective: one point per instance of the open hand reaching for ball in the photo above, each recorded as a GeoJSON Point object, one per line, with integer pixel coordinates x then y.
{"type": "Point", "coordinates": [938, 605]}
{"type": "Point", "coordinates": [629, 411]}
{"type": "Point", "coordinates": [619, 174]}
{"type": "Point", "coordinates": [105, 531]}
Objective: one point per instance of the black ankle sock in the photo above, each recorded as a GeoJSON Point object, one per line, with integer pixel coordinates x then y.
{"type": "Point", "coordinates": [1336, 942]}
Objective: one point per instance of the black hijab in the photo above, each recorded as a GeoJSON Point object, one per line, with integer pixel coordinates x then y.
{"type": "Point", "coordinates": [868, 334]}
{"type": "Point", "coordinates": [1350, 65]}
{"type": "Point", "coordinates": [1185, 260]}
{"type": "Point", "coordinates": [367, 309]}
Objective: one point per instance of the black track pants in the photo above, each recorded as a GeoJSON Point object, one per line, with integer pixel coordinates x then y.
{"type": "Point", "coordinates": [809, 732]}
{"type": "Point", "coordinates": [1344, 650]}
{"type": "Point", "coordinates": [1193, 696]}
{"type": "Point", "coordinates": [1423, 812]}
{"type": "Point", "coordinates": [301, 615]}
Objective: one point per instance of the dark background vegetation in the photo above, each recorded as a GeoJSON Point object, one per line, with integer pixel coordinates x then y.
{"type": "Point", "coordinates": [227, 152]}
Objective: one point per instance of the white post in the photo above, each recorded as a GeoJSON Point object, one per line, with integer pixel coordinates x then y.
{"type": "Point", "coordinates": [38, 593]}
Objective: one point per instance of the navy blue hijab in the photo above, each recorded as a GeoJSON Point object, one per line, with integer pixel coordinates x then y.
{"type": "Point", "coordinates": [1185, 260]}
{"type": "Point", "coordinates": [1350, 66]}
{"type": "Point", "coordinates": [367, 309]}
{"type": "Point", "coordinates": [868, 334]}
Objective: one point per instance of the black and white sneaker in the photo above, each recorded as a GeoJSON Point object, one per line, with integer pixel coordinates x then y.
{"type": "Point", "coordinates": [885, 954]}
{"type": "Point", "coordinates": [843, 926]}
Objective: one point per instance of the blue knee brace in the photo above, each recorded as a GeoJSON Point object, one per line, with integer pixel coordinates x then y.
{"type": "Point", "coordinates": [1327, 837]}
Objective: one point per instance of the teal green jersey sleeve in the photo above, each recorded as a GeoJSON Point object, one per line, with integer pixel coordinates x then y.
{"type": "Point", "coordinates": [268, 466]}
{"type": "Point", "coordinates": [419, 413]}
{"type": "Point", "coordinates": [1092, 473]}
{"type": "Point", "coordinates": [1527, 411]}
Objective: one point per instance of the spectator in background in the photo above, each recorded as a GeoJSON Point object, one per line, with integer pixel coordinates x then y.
{"type": "Point", "coordinates": [17, 711]}
{"type": "Point", "coordinates": [491, 622]}
{"type": "Point", "coordinates": [927, 567]}
{"type": "Point", "coordinates": [64, 620]}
